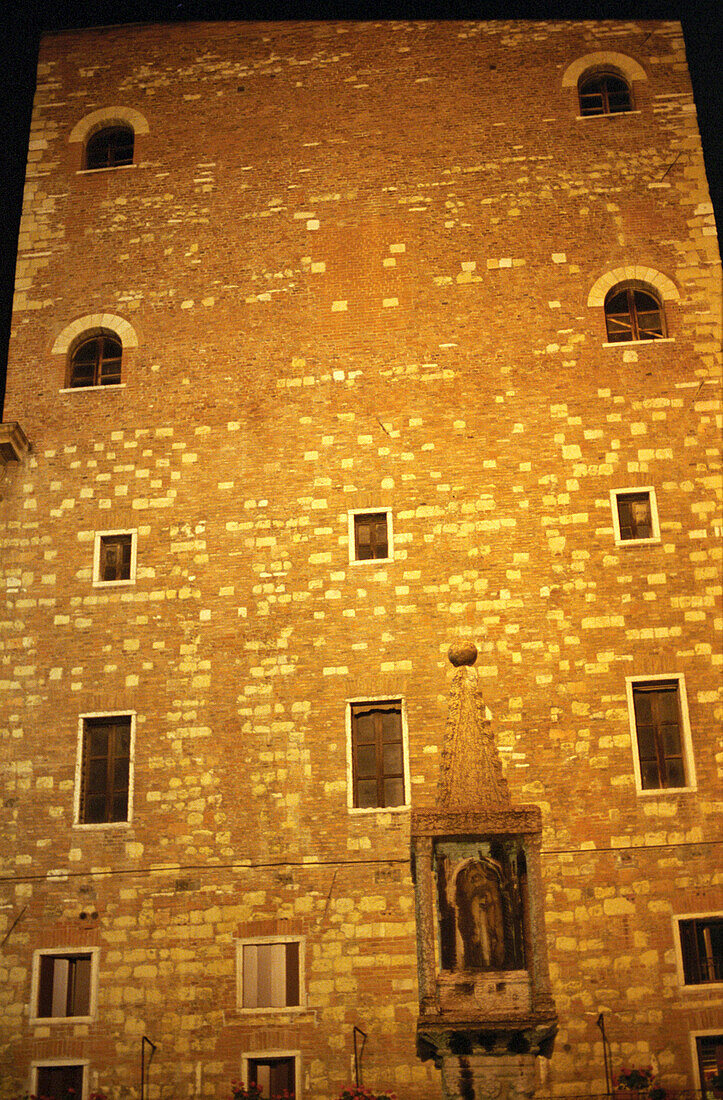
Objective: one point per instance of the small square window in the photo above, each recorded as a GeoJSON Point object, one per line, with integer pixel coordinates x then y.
{"type": "Point", "coordinates": [59, 1081]}
{"type": "Point", "coordinates": [64, 984]}
{"type": "Point", "coordinates": [270, 974]}
{"type": "Point", "coordinates": [635, 516]}
{"type": "Point", "coordinates": [379, 765]}
{"type": "Point", "coordinates": [370, 535]}
{"type": "Point", "coordinates": [275, 1072]}
{"type": "Point", "coordinates": [701, 949]}
{"type": "Point", "coordinates": [660, 728]}
{"type": "Point", "coordinates": [114, 559]}
{"type": "Point", "coordinates": [105, 787]}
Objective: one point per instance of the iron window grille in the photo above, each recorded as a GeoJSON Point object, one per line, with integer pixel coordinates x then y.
{"type": "Point", "coordinates": [110, 147]}
{"type": "Point", "coordinates": [96, 362]}
{"type": "Point", "coordinates": [632, 314]}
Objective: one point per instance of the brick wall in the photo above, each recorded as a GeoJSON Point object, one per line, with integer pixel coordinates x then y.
{"type": "Point", "coordinates": [355, 260]}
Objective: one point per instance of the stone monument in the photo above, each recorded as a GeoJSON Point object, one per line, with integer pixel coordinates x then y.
{"type": "Point", "coordinates": [485, 1007]}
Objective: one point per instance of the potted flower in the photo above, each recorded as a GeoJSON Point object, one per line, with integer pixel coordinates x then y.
{"type": "Point", "coordinates": [252, 1091]}
{"type": "Point", "coordinates": [635, 1081]}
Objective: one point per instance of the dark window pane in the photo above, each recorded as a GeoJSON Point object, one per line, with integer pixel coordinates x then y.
{"type": "Point", "coordinates": [110, 148]}
{"type": "Point", "coordinates": [367, 793]}
{"type": "Point", "coordinates": [60, 1082]}
{"type": "Point", "coordinates": [392, 759]}
{"type": "Point", "coordinates": [96, 362]}
{"type": "Point", "coordinates": [292, 973]}
{"type": "Point", "coordinates": [393, 792]}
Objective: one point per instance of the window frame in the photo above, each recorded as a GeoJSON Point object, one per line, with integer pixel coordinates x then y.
{"type": "Point", "coordinates": [701, 1033]}
{"type": "Point", "coordinates": [248, 941]}
{"type": "Point", "coordinates": [98, 581]}
{"type": "Point", "coordinates": [351, 523]}
{"type": "Point", "coordinates": [631, 288]}
{"type": "Point", "coordinates": [693, 987]}
{"type": "Point", "coordinates": [42, 1063]}
{"type": "Point", "coordinates": [97, 384]}
{"type": "Point", "coordinates": [63, 951]}
{"type": "Point", "coordinates": [371, 700]}
{"type": "Point", "coordinates": [127, 821]}
{"type": "Point", "coordinates": [685, 734]}
{"type": "Point", "coordinates": [264, 1055]}
{"type": "Point", "coordinates": [108, 128]}
{"type": "Point", "coordinates": [604, 74]}
{"type": "Point", "coordinates": [654, 518]}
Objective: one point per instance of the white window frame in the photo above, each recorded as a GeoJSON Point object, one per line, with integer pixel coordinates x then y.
{"type": "Point", "coordinates": [685, 734]}
{"type": "Point", "coordinates": [98, 582]}
{"type": "Point", "coordinates": [654, 520]}
{"type": "Point", "coordinates": [701, 1033]}
{"type": "Point", "coordinates": [257, 1054]}
{"type": "Point", "coordinates": [77, 823]}
{"type": "Point", "coordinates": [697, 987]}
{"type": "Point", "coordinates": [351, 808]}
{"type": "Point", "coordinates": [37, 1063]}
{"type": "Point", "coordinates": [373, 511]}
{"type": "Point", "coordinates": [94, 953]}
{"type": "Point", "coordinates": [275, 1010]}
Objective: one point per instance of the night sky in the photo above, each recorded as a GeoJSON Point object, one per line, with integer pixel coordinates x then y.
{"type": "Point", "coordinates": [23, 22]}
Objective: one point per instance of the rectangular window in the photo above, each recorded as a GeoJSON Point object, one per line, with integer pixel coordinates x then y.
{"type": "Point", "coordinates": [661, 733]}
{"type": "Point", "coordinates": [701, 948]}
{"type": "Point", "coordinates": [370, 535]}
{"type": "Point", "coordinates": [273, 1074]}
{"type": "Point", "coordinates": [709, 1058]}
{"type": "Point", "coordinates": [114, 558]}
{"type": "Point", "coordinates": [105, 769]}
{"type": "Point", "coordinates": [635, 516]}
{"type": "Point", "coordinates": [64, 983]}
{"type": "Point", "coordinates": [270, 974]}
{"type": "Point", "coordinates": [378, 756]}
{"type": "Point", "coordinates": [64, 1081]}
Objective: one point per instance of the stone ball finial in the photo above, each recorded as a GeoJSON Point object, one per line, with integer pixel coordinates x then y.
{"type": "Point", "coordinates": [462, 653]}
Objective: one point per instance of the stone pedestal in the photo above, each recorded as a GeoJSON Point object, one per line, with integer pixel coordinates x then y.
{"type": "Point", "coordinates": [480, 1077]}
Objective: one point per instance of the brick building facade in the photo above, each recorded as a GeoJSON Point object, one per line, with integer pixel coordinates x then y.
{"type": "Point", "coordinates": [334, 344]}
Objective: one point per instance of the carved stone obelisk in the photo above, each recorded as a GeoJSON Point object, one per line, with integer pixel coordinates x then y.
{"type": "Point", "coordinates": [485, 1007]}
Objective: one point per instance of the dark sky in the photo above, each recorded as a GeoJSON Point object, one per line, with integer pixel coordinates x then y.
{"type": "Point", "coordinates": [23, 21]}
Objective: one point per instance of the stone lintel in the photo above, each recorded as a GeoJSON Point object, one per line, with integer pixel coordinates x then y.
{"type": "Point", "coordinates": [510, 821]}
{"type": "Point", "coordinates": [14, 443]}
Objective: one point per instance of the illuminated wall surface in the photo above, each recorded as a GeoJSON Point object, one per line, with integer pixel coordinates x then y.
{"type": "Point", "coordinates": [335, 344]}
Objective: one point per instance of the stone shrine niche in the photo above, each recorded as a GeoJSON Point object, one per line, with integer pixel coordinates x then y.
{"type": "Point", "coordinates": [480, 899]}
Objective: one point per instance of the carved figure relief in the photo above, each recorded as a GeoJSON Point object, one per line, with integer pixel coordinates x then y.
{"type": "Point", "coordinates": [480, 908]}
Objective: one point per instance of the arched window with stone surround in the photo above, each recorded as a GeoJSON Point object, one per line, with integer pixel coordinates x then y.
{"type": "Point", "coordinates": [108, 138]}
{"type": "Point", "coordinates": [93, 350]}
{"type": "Point", "coordinates": [604, 83]}
{"type": "Point", "coordinates": [604, 93]}
{"type": "Point", "coordinates": [633, 312]}
{"type": "Point", "coordinates": [110, 147]}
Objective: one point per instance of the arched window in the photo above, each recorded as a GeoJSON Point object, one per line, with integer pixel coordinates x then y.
{"type": "Point", "coordinates": [110, 147]}
{"type": "Point", "coordinates": [96, 362]}
{"type": "Point", "coordinates": [604, 93]}
{"type": "Point", "coordinates": [633, 314]}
